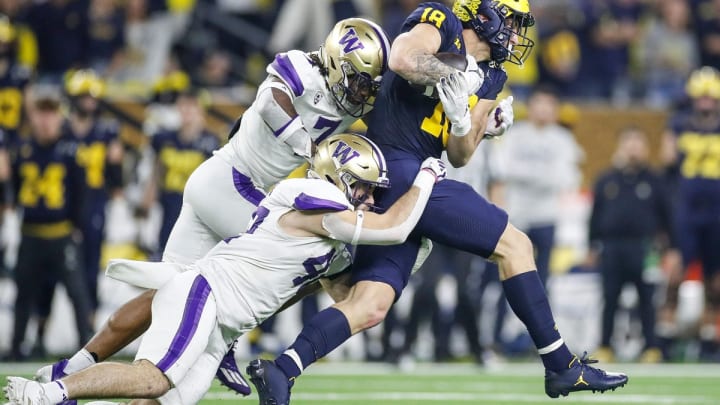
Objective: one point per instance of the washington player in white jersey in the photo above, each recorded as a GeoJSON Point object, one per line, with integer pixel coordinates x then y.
{"type": "Point", "coordinates": [299, 234]}
{"type": "Point", "coordinates": [305, 98]}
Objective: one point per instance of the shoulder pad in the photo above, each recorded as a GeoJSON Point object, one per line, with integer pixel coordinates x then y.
{"type": "Point", "coordinates": [289, 67]}
{"type": "Point", "coordinates": [311, 195]}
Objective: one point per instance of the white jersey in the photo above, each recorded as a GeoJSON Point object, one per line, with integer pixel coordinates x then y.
{"type": "Point", "coordinates": [256, 152]}
{"type": "Point", "coordinates": [264, 267]}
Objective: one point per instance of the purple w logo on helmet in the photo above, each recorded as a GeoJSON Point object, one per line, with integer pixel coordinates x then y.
{"type": "Point", "coordinates": [351, 41]}
{"type": "Point", "coordinates": [344, 152]}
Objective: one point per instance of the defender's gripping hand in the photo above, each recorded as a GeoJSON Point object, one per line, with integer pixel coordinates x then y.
{"type": "Point", "coordinates": [500, 119]}
{"type": "Point", "coordinates": [474, 77]}
{"type": "Point", "coordinates": [452, 91]}
{"type": "Point", "coordinates": [436, 167]}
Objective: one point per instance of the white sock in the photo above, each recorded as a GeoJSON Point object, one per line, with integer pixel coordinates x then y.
{"type": "Point", "coordinates": [55, 391]}
{"type": "Point", "coordinates": [80, 361]}
{"type": "Point", "coordinates": [295, 357]}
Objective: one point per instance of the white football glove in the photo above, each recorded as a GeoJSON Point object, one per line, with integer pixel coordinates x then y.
{"type": "Point", "coordinates": [500, 119]}
{"type": "Point", "coordinates": [474, 77]}
{"type": "Point", "coordinates": [436, 167]}
{"type": "Point", "coordinates": [454, 97]}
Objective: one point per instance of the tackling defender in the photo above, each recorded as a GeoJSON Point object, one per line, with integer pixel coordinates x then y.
{"type": "Point", "coordinates": [298, 235]}
{"type": "Point", "coordinates": [409, 128]}
{"type": "Point", "coordinates": [305, 98]}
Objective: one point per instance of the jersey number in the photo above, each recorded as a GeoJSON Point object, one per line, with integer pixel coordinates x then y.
{"type": "Point", "coordinates": [48, 185]}
{"type": "Point", "coordinates": [331, 126]}
{"type": "Point", "coordinates": [10, 107]}
{"type": "Point", "coordinates": [702, 156]}
{"type": "Point", "coordinates": [92, 158]}
{"type": "Point", "coordinates": [438, 125]}
{"type": "Point", "coordinates": [434, 16]}
{"type": "Point", "coordinates": [315, 268]}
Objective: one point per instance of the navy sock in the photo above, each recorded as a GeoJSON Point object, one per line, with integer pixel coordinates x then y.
{"type": "Point", "coordinates": [527, 298]}
{"type": "Point", "coordinates": [326, 330]}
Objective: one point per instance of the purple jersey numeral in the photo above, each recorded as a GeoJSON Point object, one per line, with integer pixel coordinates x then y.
{"type": "Point", "coordinates": [331, 126]}
{"type": "Point", "coordinates": [258, 217]}
{"type": "Point", "coordinates": [315, 267]}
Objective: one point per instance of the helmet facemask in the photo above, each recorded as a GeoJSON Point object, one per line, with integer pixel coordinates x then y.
{"type": "Point", "coordinates": [497, 24]}
{"type": "Point", "coordinates": [355, 92]}
{"type": "Point", "coordinates": [354, 57]}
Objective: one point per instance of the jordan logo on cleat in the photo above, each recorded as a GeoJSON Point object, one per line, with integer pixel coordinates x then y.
{"type": "Point", "coordinates": [580, 380]}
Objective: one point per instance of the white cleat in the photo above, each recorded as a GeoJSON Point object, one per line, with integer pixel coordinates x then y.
{"type": "Point", "coordinates": [44, 374]}
{"type": "Point", "coordinates": [21, 391]}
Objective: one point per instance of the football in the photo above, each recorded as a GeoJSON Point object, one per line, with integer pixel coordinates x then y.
{"type": "Point", "coordinates": [452, 59]}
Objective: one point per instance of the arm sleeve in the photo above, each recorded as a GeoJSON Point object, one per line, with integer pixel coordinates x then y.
{"type": "Point", "coordinates": [358, 234]}
{"type": "Point", "coordinates": [286, 128]}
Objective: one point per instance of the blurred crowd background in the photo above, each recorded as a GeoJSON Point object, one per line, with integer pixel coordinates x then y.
{"type": "Point", "coordinates": [131, 95]}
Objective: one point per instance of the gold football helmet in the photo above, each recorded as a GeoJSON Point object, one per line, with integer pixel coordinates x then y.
{"type": "Point", "coordinates": [704, 82]}
{"type": "Point", "coordinates": [502, 20]}
{"type": "Point", "coordinates": [347, 159]}
{"type": "Point", "coordinates": [84, 82]}
{"type": "Point", "coordinates": [355, 55]}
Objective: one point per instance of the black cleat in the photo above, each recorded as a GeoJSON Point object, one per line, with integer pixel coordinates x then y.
{"type": "Point", "coordinates": [581, 377]}
{"type": "Point", "coordinates": [271, 384]}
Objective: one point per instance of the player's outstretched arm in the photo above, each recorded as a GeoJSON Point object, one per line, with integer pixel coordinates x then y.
{"type": "Point", "coordinates": [395, 224]}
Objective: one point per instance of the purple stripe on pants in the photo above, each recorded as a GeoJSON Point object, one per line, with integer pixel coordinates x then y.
{"type": "Point", "coordinates": [246, 188]}
{"type": "Point", "coordinates": [194, 305]}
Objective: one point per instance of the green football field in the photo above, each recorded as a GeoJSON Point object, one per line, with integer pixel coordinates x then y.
{"type": "Point", "coordinates": [364, 384]}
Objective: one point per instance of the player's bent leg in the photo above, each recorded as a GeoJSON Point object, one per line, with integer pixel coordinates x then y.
{"type": "Point", "coordinates": [196, 383]}
{"type": "Point", "coordinates": [526, 295]}
{"type": "Point", "coordinates": [190, 239]}
{"type": "Point", "coordinates": [141, 379]}
{"type": "Point", "coordinates": [513, 253]}
{"type": "Point", "coordinates": [366, 305]}
{"type": "Point", "coordinates": [124, 326]}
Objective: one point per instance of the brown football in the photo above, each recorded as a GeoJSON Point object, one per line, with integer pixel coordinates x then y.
{"type": "Point", "coordinates": [452, 59]}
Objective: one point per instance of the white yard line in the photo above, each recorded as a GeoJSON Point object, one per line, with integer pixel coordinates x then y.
{"type": "Point", "coordinates": [511, 369]}
{"type": "Point", "coordinates": [464, 397]}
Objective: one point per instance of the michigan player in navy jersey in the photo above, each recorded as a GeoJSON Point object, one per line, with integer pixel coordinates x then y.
{"type": "Point", "coordinates": [692, 144]}
{"type": "Point", "coordinates": [409, 128]}
{"type": "Point", "coordinates": [14, 78]}
{"type": "Point", "coordinates": [178, 154]}
{"type": "Point", "coordinates": [49, 191]}
{"type": "Point", "coordinates": [100, 154]}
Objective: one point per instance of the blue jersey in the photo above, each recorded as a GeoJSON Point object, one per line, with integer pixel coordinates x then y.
{"type": "Point", "coordinates": [178, 158]}
{"type": "Point", "coordinates": [403, 119]}
{"type": "Point", "coordinates": [49, 186]}
{"type": "Point", "coordinates": [92, 154]}
{"type": "Point", "coordinates": [12, 85]}
{"type": "Point", "coordinates": [699, 163]}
